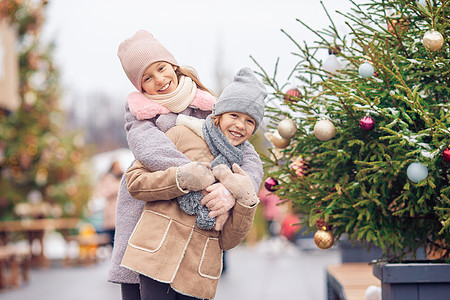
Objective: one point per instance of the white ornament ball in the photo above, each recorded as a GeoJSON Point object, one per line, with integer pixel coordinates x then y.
{"type": "Point", "coordinates": [433, 40]}
{"type": "Point", "coordinates": [34, 196]}
{"type": "Point", "coordinates": [287, 128]}
{"type": "Point", "coordinates": [416, 172]}
{"type": "Point", "coordinates": [373, 292]}
{"type": "Point", "coordinates": [332, 64]}
{"type": "Point", "coordinates": [366, 70]}
{"type": "Point", "coordinates": [422, 2]}
{"type": "Point", "coordinates": [324, 130]}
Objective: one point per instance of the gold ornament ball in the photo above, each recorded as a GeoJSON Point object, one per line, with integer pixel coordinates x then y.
{"type": "Point", "coordinates": [433, 40]}
{"type": "Point", "coordinates": [324, 239]}
{"type": "Point", "coordinates": [287, 128]}
{"type": "Point", "coordinates": [324, 130]}
{"type": "Point", "coordinates": [278, 141]}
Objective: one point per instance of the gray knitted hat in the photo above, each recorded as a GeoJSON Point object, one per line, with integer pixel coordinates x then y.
{"type": "Point", "coordinates": [138, 52]}
{"type": "Point", "coordinates": [245, 94]}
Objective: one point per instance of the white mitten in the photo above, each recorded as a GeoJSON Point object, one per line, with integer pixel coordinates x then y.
{"type": "Point", "coordinates": [238, 183]}
{"type": "Point", "coordinates": [194, 176]}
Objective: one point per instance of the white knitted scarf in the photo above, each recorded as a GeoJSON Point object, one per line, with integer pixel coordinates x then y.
{"type": "Point", "coordinates": [178, 100]}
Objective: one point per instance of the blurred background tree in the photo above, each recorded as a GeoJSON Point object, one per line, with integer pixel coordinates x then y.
{"type": "Point", "coordinates": [361, 142]}
{"type": "Point", "coordinates": [44, 169]}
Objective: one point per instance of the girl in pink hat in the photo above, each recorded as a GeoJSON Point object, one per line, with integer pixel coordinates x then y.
{"type": "Point", "coordinates": [165, 90]}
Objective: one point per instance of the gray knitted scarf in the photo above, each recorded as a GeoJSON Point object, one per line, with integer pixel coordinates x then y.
{"type": "Point", "coordinates": [220, 147]}
{"type": "Point", "coordinates": [224, 153]}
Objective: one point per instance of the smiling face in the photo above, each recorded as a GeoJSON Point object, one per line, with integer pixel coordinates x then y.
{"type": "Point", "coordinates": [159, 78]}
{"type": "Point", "coordinates": [237, 127]}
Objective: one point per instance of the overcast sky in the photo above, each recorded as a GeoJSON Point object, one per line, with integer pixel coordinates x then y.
{"type": "Point", "coordinates": [88, 34]}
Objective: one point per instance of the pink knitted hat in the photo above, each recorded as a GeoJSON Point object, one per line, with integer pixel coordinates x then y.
{"type": "Point", "coordinates": [140, 51]}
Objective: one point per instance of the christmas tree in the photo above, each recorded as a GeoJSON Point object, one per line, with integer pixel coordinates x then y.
{"type": "Point", "coordinates": [43, 168]}
{"type": "Point", "coordinates": [361, 143]}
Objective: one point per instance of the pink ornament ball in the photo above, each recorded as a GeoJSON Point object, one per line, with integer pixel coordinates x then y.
{"type": "Point", "coordinates": [300, 167]}
{"type": "Point", "coordinates": [446, 155]}
{"type": "Point", "coordinates": [271, 184]}
{"type": "Point", "coordinates": [292, 95]}
{"type": "Point", "coordinates": [367, 123]}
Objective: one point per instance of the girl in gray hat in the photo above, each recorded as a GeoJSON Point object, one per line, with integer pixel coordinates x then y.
{"type": "Point", "coordinates": [170, 248]}
{"type": "Point", "coordinates": [151, 111]}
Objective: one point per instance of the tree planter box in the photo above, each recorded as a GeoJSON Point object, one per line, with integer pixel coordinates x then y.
{"type": "Point", "coordinates": [355, 252]}
{"type": "Point", "coordinates": [413, 281]}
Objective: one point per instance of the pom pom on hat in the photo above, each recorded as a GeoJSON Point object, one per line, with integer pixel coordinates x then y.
{"type": "Point", "coordinates": [140, 51]}
{"type": "Point", "coordinates": [245, 94]}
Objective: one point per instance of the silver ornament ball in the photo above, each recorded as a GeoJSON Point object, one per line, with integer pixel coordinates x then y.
{"type": "Point", "coordinates": [324, 130]}
{"type": "Point", "coordinates": [287, 128]}
{"type": "Point", "coordinates": [278, 141]}
{"type": "Point", "coordinates": [416, 172]}
{"type": "Point", "coordinates": [366, 70]}
{"type": "Point", "coordinates": [433, 40]}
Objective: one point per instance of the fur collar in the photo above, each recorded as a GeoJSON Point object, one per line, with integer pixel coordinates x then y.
{"type": "Point", "coordinates": [143, 108]}
{"type": "Point", "coordinates": [193, 123]}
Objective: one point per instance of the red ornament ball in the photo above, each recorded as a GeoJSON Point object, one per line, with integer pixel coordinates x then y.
{"type": "Point", "coordinates": [446, 154]}
{"type": "Point", "coordinates": [271, 184]}
{"type": "Point", "coordinates": [292, 95]}
{"type": "Point", "coordinates": [367, 123]}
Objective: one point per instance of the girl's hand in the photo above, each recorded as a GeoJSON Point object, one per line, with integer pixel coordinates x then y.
{"type": "Point", "coordinates": [217, 199]}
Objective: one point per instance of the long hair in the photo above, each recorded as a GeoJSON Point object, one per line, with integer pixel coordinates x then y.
{"type": "Point", "coordinates": [187, 71]}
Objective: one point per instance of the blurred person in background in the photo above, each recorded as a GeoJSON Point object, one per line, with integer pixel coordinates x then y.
{"type": "Point", "coordinates": [108, 188]}
{"type": "Point", "coordinates": [270, 211]}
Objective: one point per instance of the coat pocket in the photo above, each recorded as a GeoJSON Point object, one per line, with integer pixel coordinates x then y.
{"type": "Point", "coordinates": [211, 261]}
{"type": "Point", "coordinates": [150, 231]}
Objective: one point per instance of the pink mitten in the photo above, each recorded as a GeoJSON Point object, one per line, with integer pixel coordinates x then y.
{"type": "Point", "coordinates": [218, 200]}
{"type": "Point", "coordinates": [194, 176]}
{"type": "Point", "coordinates": [238, 183]}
